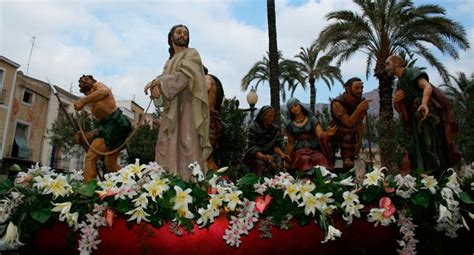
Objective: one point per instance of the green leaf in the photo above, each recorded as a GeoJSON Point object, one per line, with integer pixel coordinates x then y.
{"type": "Point", "coordinates": [370, 193]}
{"type": "Point", "coordinates": [124, 205]}
{"type": "Point", "coordinates": [41, 212]}
{"type": "Point", "coordinates": [466, 198]}
{"type": "Point", "coordinates": [88, 189]}
{"type": "Point", "coordinates": [422, 198]}
{"type": "Point", "coordinates": [5, 186]}
{"type": "Point", "coordinates": [248, 179]}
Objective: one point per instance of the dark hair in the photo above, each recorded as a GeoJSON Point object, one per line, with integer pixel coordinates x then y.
{"type": "Point", "coordinates": [170, 37]}
{"type": "Point", "coordinates": [350, 81]}
{"type": "Point", "coordinates": [83, 89]}
{"type": "Point", "coordinates": [87, 76]}
{"type": "Point", "coordinates": [220, 92]}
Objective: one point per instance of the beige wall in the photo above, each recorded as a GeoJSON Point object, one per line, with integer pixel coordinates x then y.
{"type": "Point", "coordinates": [9, 75]}
{"type": "Point", "coordinates": [32, 115]}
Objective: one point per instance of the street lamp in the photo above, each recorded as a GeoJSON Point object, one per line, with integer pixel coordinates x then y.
{"type": "Point", "coordinates": [252, 99]}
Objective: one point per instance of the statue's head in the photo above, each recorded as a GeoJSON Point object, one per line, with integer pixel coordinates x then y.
{"type": "Point", "coordinates": [85, 83]}
{"type": "Point", "coordinates": [295, 107]}
{"type": "Point", "coordinates": [178, 36]}
{"type": "Point", "coordinates": [392, 63]}
{"type": "Point", "coordinates": [354, 87]}
{"type": "Point", "coordinates": [266, 116]}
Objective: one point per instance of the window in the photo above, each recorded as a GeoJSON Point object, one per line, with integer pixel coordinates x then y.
{"type": "Point", "coordinates": [2, 76]}
{"type": "Point", "coordinates": [2, 92]}
{"type": "Point", "coordinates": [20, 144]}
{"type": "Point", "coordinates": [27, 97]}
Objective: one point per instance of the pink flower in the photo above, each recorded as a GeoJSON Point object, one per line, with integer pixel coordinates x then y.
{"type": "Point", "coordinates": [109, 217]}
{"type": "Point", "coordinates": [107, 193]}
{"type": "Point", "coordinates": [386, 203]}
{"type": "Point", "coordinates": [262, 203]}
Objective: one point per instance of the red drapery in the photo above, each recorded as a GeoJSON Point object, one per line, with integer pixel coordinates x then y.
{"type": "Point", "coordinates": [129, 238]}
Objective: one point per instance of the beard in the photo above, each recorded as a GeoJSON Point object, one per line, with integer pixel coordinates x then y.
{"type": "Point", "coordinates": [390, 73]}
{"type": "Point", "coordinates": [85, 88]}
{"type": "Point", "coordinates": [181, 42]}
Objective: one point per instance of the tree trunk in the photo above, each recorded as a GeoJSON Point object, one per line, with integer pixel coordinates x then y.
{"type": "Point", "coordinates": [386, 127]}
{"type": "Point", "coordinates": [312, 100]}
{"type": "Point", "coordinates": [273, 57]}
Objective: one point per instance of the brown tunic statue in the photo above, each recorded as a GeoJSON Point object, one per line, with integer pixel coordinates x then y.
{"type": "Point", "coordinates": [215, 94]}
{"type": "Point", "coordinates": [348, 111]}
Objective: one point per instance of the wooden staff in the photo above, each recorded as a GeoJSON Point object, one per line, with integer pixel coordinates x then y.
{"type": "Point", "coordinates": [74, 126]}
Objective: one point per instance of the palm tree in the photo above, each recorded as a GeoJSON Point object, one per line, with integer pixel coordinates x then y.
{"type": "Point", "coordinates": [273, 56]}
{"type": "Point", "coordinates": [386, 27]}
{"type": "Point", "coordinates": [260, 72]}
{"type": "Point", "coordinates": [314, 69]}
{"type": "Point", "coordinates": [460, 92]}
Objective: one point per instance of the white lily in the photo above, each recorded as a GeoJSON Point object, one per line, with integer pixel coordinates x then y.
{"type": "Point", "coordinates": [325, 172]}
{"type": "Point", "coordinates": [350, 198]}
{"type": "Point", "coordinates": [138, 214]}
{"type": "Point", "coordinates": [374, 177]}
{"type": "Point", "coordinates": [136, 169]}
{"type": "Point", "coordinates": [196, 171]}
{"type": "Point", "coordinates": [324, 199]}
{"type": "Point", "coordinates": [60, 187]}
{"type": "Point", "coordinates": [63, 208]}
{"type": "Point", "coordinates": [453, 182]}
{"type": "Point", "coordinates": [444, 213]}
{"type": "Point", "coordinates": [222, 169]}
{"type": "Point", "coordinates": [156, 188]}
{"type": "Point", "coordinates": [184, 212]}
{"type": "Point", "coordinates": [232, 199]}
{"type": "Point", "coordinates": [11, 237]}
{"type": "Point", "coordinates": [310, 203]}
{"type": "Point", "coordinates": [293, 191]}
{"type": "Point", "coordinates": [216, 200]}
{"type": "Point", "coordinates": [182, 197]}
{"type": "Point", "coordinates": [307, 186]}
{"type": "Point", "coordinates": [332, 234]}
{"type": "Point", "coordinates": [430, 183]}
{"type": "Point", "coordinates": [207, 215]}
{"type": "Point", "coordinates": [348, 181]}
{"type": "Point", "coordinates": [141, 201]}
{"type": "Point", "coordinates": [376, 215]}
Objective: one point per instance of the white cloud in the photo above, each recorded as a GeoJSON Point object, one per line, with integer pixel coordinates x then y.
{"type": "Point", "coordinates": [124, 43]}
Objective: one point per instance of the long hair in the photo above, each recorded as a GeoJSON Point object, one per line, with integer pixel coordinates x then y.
{"type": "Point", "coordinates": [170, 38]}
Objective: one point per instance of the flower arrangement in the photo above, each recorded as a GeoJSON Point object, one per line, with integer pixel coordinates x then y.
{"type": "Point", "coordinates": [147, 193]}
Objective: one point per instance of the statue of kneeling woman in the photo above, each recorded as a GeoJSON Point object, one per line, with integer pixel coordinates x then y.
{"type": "Point", "coordinates": [264, 154]}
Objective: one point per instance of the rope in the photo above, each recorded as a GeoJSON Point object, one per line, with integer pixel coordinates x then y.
{"type": "Point", "coordinates": [116, 150]}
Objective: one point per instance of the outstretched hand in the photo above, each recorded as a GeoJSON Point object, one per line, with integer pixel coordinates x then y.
{"type": "Point", "coordinates": [423, 109]}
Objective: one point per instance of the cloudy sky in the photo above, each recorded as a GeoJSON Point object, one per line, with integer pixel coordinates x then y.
{"type": "Point", "coordinates": [123, 42]}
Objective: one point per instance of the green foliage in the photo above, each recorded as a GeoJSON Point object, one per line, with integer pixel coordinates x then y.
{"type": "Point", "coordinates": [460, 93]}
{"type": "Point", "coordinates": [142, 145]}
{"type": "Point", "coordinates": [63, 131]}
{"type": "Point", "coordinates": [88, 189]}
{"type": "Point", "coordinates": [423, 198]}
{"type": "Point", "coordinates": [324, 117]}
{"type": "Point", "coordinates": [233, 136]}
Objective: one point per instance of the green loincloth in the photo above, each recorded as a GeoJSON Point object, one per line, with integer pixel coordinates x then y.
{"type": "Point", "coordinates": [114, 129]}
